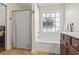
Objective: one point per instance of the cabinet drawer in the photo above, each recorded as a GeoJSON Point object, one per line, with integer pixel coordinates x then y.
{"type": "Point", "coordinates": [75, 43]}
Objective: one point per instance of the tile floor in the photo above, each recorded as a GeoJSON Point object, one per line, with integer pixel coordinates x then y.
{"type": "Point", "coordinates": [21, 52]}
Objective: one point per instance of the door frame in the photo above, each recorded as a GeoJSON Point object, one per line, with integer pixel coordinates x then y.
{"type": "Point", "coordinates": [30, 26]}
{"type": "Point", "coordinates": [5, 24]}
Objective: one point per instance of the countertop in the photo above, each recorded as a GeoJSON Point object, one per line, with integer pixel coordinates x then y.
{"type": "Point", "coordinates": [73, 34]}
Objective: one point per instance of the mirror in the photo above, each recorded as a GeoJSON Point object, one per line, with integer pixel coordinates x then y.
{"type": "Point", "coordinates": [3, 25]}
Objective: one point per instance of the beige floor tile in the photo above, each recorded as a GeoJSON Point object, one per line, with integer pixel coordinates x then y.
{"type": "Point", "coordinates": [21, 52]}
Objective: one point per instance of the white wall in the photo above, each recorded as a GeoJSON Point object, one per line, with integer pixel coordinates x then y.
{"type": "Point", "coordinates": [36, 22]}
{"type": "Point", "coordinates": [35, 26]}
{"type": "Point", "coordinates": [25, 6]}
{"type": "Point", "coordinates": [57, 7]}
{"type": "Point", "coordinates": [72, 15]}
{"type": "Point", "coordinates": [2, 15]}
{"type": "Point", "coordinates": [33, 29]}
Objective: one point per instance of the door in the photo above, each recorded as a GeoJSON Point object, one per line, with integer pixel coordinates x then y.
{"type": "Point", "coordinates": [22, 29]}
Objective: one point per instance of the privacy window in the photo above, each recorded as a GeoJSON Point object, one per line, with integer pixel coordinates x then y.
{"type": "Point", "coordinates": [51, 21]}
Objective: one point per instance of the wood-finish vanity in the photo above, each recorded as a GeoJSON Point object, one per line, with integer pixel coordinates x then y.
{"type": "Point", "coordinates": [69, 44]}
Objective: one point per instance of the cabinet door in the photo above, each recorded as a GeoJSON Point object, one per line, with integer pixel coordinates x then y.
{"type": "Point", "coordinates": [72, 51]}
{"type": "Point", "coordinates": [63, 49]}
{"type": "Point", "coordinates": [75, 43]}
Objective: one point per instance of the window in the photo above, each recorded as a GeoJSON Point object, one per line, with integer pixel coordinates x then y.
{"type": "Point", "coordinates": [51, 21]}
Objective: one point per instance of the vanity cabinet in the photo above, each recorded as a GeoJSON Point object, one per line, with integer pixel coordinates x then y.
{"type": "Point", "coordinates": [72, 51]}
{"type": "Point", "coordinates": [69, 45]}
{"type": "Point", "coordinates": [63, 49]}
